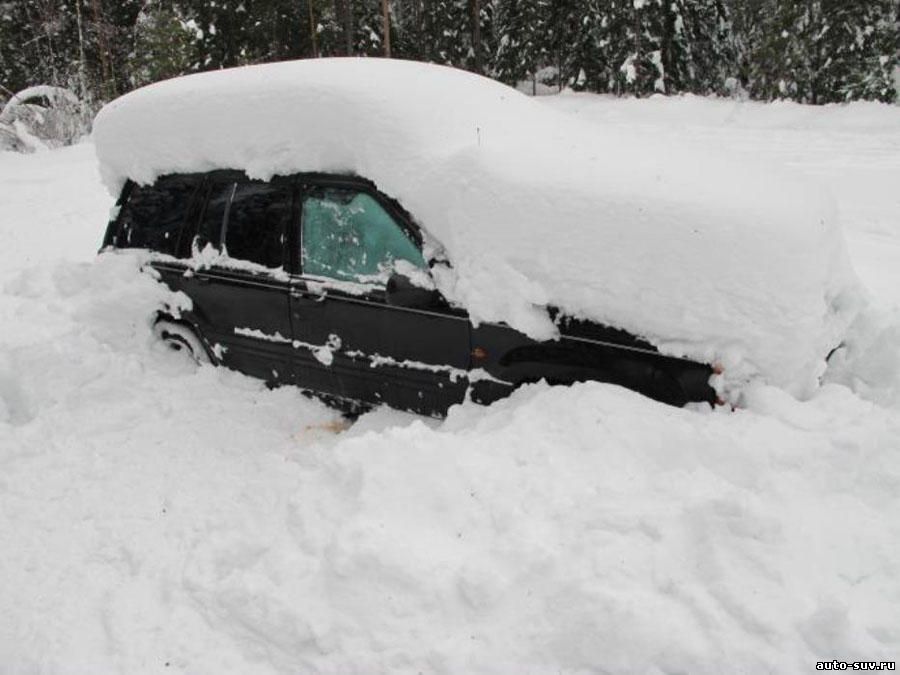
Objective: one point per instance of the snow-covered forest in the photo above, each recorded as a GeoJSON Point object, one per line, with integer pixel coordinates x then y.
{"type": "Point", "coordinates": [815, 51]}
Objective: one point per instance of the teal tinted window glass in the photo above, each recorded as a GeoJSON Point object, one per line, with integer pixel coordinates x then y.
{"type": "Point", "coordinates": [347, 235]}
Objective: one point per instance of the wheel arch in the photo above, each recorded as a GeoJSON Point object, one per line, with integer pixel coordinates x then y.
{"type": "Point", "coordinates": [163, 317]}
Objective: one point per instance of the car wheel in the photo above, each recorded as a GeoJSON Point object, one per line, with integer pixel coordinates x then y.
{"type": "Point", "coordinates": [182, 340]}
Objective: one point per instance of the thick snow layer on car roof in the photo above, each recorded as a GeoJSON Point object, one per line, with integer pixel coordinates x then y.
{"type": "Point", "coordinates": [705, 257]}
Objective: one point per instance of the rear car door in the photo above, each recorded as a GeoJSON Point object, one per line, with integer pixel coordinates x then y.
{"type": "Point", "coordinates": [354, 344]}
{"type": "Point", "coordinates": [237, 281]}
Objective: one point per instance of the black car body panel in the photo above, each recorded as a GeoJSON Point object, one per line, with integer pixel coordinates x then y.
{"type": "Point", "coordinates": [366, 344]}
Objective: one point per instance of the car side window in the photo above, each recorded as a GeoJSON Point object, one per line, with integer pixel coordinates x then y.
{"type": "Point", "coordinates": [256, 222]}
{"type": "Point", "coordinates": [248, 221]}
{"type": "Point", "coordinates": [153, 216]}
{"type": "Point", "coordinates": [347, 235]}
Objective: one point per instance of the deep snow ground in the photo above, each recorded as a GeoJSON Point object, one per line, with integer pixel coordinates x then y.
{"type": "Point", "coordinates": [156, 517]}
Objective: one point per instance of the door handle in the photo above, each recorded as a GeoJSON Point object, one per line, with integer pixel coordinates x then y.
{"type": "Point", "coordinates": [315, 297]}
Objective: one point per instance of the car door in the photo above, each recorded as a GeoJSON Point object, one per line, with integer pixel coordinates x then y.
{"type": "Point", "coordinates": [237, 281]}
{"type": "Point", "coordinates": [353, 343]}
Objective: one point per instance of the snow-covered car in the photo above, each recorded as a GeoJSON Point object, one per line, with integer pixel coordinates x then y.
{"type": "Point", "coordinates": [400, 233]}
{"type": "Point", "coordinates": [320, 280]}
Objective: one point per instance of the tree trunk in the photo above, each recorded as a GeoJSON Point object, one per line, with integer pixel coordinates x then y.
{"type": "Point", "coordinates": [313, 33]}
{"type": "Point", "coordinates": [637, 52]}
{"type": "Point", "coordinates": [344, 16]}
{"type": "Point", "coordinates": [386, 16]}
{"type": "Point", "coordinates": [476, 34]}
{"type": "Point", "coordinates": [348, 26]}
{"type": "Point", "coordinates": [82, 78]}
{"type": "Point", "coordinates": [109, 85]}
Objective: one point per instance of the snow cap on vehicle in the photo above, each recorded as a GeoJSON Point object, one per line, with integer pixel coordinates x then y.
{"type": "Point", "coordinates": [706, 258]}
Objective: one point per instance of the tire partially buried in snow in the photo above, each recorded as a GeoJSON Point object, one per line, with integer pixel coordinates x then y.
{"type": "Point", "coordinates": [712, 260]}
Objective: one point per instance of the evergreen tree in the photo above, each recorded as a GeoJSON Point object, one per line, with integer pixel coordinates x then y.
{"type": "Point", "coordinates": [368, 29]}
{"type": "Point", "coordinates": [583, 40]}
{"type": "Point", "coordinates": [457, 33]}
{"type": "Point", "coordinates": [752, 22]}
{"type": "Point", "coordinates": [16, 60]}
{"type": "Point", "coordinates": [407, 21]}
{"type": "Point", "coordinates": [327, 27]}
{"type": "Point", "coordinates": [815, 51]}
{"type": "Point", "coordinates": [445, 31]}
{"type": "Point", "coordinates": [821, 51]}
{"type": "Point", "coordinates": [859, 47]}
{"type": "Point", "coordinates": [162, 45]}
{"type": "Point", "coordinates": [521, 48]}
{"type": "Point", "coordinates": [482, 31]}
{"type": "Point", "coordinates": [223, 31]}
{"type": "Point", "coordinates": [697, 49]}
{"type": "Point", "coordinates": [39, 44]}
{"type": "Point", "coordinates": [642, 71]}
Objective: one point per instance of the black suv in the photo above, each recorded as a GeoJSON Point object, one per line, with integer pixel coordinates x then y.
{"type": "Point", "coordinates": [320, 281]}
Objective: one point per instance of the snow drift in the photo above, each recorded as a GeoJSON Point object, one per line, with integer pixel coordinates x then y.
{"type": "Point", "coordinates": [714, 260]}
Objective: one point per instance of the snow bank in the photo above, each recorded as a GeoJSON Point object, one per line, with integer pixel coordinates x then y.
{"type": "Point", "coordinates": [158, 516]}
{"type": "Point", "coordinates": [689, 110]}
{"type": "Point", "coordinates": [62, 190]}
{"type": "Point", "coordinates": [715, 260]}
{"type": "Point", "coordinates": [870, 362]}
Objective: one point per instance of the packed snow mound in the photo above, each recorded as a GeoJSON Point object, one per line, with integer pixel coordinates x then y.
{"type": "Point", "coordinates": [707, 258]}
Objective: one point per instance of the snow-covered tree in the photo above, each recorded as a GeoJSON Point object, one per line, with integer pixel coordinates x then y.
{"type": "Point", "coordinates": [456, 33]}
{"type": "Point", "coordinates": [446, 31]}
{"type": "Point", "coordinates": [162, 45]}
{"type": "Point", "coordinates": [697, 46]}
{"type": "Point", "coordinates": [368, 29]}
{"type": "Point", "coordinates": [522, 45]}
{"type": "Point", "coordinates": [859, 46]}
{"type": "Point", "coordinates": [641, 70]}
{"type": "Point", "coordinates": [42, 116]}
{"type": "Point", "coordinates": [584, 41]}
{"type": "Point", "coordinates": [810, 50]}
{"type": "Point", "coordinates": [820, 51]}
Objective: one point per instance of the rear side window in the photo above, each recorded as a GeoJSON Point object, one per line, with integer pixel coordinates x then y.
{"type": "Point", "coordinates": [248, 221]}
{"type": "Point", "coordinates": [153, 216]}
{"type": "Point", "coordinates": [256, 222]}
